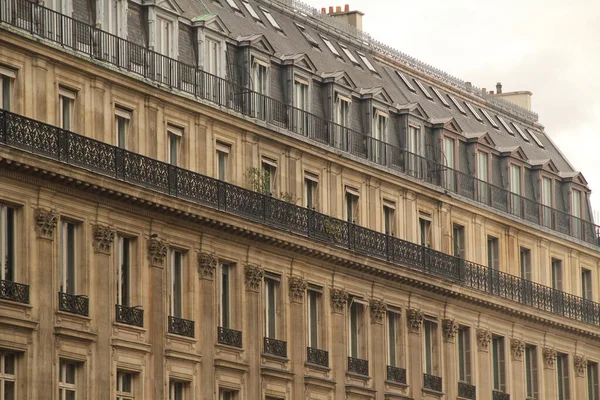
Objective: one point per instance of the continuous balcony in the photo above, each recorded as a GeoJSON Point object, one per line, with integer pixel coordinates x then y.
{"type": "Point", "coordinates": [101, 46]}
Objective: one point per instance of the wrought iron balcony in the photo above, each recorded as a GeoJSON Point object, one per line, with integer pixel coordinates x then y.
{"type": "Point", "coordinates": [73, 303]}
{"type": "Point", "coordinates": [317, 357]}
{"type": "Point", "coordinates": [498, 395]}
{"type": "Point", "coordinates": [432, 382]}
{"type": "Point", "coordinates": [275, 347]}
{"type": "Point", "coordinates": [14, 291]}
{"type": "Point", "coordinates": [229, 337]}
{"type": "Point", "coordinates": [466, 391]}
{"type": "Point", "coordinates": [67, 147]}
{"type": "Point", "coordinates": [34, 19]}
{"type": "Point", "coordinates": [397, 375]}
{"type": "Point", "coordinates": [129, 315]}
{"type": "Point", "coordinates": [358, 366]}
{"type": "Point", "coordinates": [181, 327]}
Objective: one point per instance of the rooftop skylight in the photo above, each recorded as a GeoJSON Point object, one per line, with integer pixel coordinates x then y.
{"type": "Point", "coordinates": [439, 95]}
{"type": "Point", "coordinates": [489, 118]}
{"type": "Point", "coordinates": [251, 10]}
{"type": "Point", "coordinates": [425, 92]}
{"type": "Point", "coordinates": [330, 46]}
{"type": "Point", "coordinates": [271, 19]}
{"type": "Point", "coordinates": [348, 53]}
{"type": "Point", "coordinates": [534, 137]}
{"type": "Point", "coordinates": [475, 114]}
{"type": "Point", "coordinates": [366, 61]}
{"type": "Point", "coordinates": [308, 36]}
{"type": "Point", "coordinates": [233, 5]}
{"type": "Point", "coordinates": [406, 82]}
{"type": "Point", "coordinates": [457, 104]}
{"type": "Point", "coordinates": [505, 125]}
{"type": "Point", "coordinates": [518, 129]}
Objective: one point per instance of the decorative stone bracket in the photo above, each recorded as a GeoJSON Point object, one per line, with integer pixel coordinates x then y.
{"type": "Point", "coordinates": [207, 264]}
{"type": "Point", "coordinates": [517, 348]}
{"type": "Point", "coordinates": [580, 364]}
{"type": "Point", "coordinates": [254, 276]}
{"type": "Point", "coordinates": [378, 309]}
{"type": "Point", "coordinates": [45, 223]}
{"type": "Point", "coordinates": [484, 337]}
{"type": "Point", "coordinates": [339, 298]}
{"type": "Point", "coordinates": [549, 357]}
{"type": "Point", "coordinates": [157, 251]}
{"type": "Point", "coordinates": [415, 320]}
{"type": "Point", "coordinates": [449, 329]}
{"type": "Point", "coordinates": [298, 286]}
{"type": "Point", "coordinates": [103, 237]}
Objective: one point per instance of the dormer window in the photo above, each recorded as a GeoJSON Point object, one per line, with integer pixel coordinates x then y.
{"type": "Point", "coordinates": [380, 123]}
{"type": "Point", "coordinates": [308, 36]}
{"type": "Point", "coordinates": [449, 160]}
{"type": "Point", "coordinates": [366, 61]}
{"type": "Point", "coordinates": [515, 189]}
{"type": "Point", "coordinates": [342, 112]}
{"type": "Point", "coordinates": [260, 81]}
{"type": "Point", "coordinates": [212, 56]}
{"type": "Point", "coordinates": [576, 212]}
{"type": "Point", "coordinates": [546, 198]}
{"type": "Point", "coordinates": [270, 18]}
{"type": "Point", "coordinates": [251, 10]}
{"type": "Point", "coordinates": [115, 17]}
{"type": "Point", "coordinates": [164, 37]}
{"type": "Point", "coordinates": [330, 46]}
{"type": "Point", "coordinates": [301, 104]}
{"type": "Point", "coordinates": [349, 54]}
{"type": "Point", "coordinates": [483, 188]}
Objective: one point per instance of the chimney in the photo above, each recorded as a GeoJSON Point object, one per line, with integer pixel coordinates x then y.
{"type": "Point", "coordinates": [330, 9]}
{"type": "Point", "coordinates": [347, 8]}
{"type": "Point", "coordinates": [323, 10]}
{"type": "Point", "coordinates": [352, 18]}
{"type": "Point", "coordinates": [491, 92]}
{"type": "Point", "coordinates": [338, 9]}
{"type": "Point", "coordinates": [521, 98]}
{"type": "Point", "coordinates": [499, 88]}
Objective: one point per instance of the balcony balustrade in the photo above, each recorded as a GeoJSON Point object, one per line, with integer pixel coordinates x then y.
{"type": "Point", "coordinates": [498, 395]}
{"type": "Point", "coordinates": [229, 337]}
{"type": "Point", "coordinates": [129, 315]}
{"type": "Point", "coordinates": [317, 357]}
{"type": "Point", "coordinates": [275, 347]}
{"type": "Point", "coordinates": [73, 303]}
{"type": "Point", "coordinates": [358, 366]}
{"type": "Point", "coordinates": [466, 391]}
{"type": "Point", "coordinates": [396, 375]}
{"type": "Point", "coordinates": [14, 291]}
{"type": "Point", "coordinates": [432, 382]}
{"type": "Point", "coordinates": [181, 327]}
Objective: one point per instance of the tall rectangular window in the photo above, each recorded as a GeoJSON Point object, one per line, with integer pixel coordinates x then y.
{"type": "Point", "coordinates": [449, 160]}
{"type": "Point", "coordinates": [68, 257]}
{"type": "Point", "coordinates": [222, 162]}
{"type": "Point", "coordinates": [531, 372]}
{"type": "Point", "coordinates": [164, 37]}
{"type": "Point", "coordinates": [586, 284]}
{"type": "Point", "coordinates": [224, 281]}
{"type": "Point", "coordinates": [269, 168]}
{"type": "Point", "coordinates": [464, 354]}
{"type": "Point", "coordinates": [301, 102]}
{"type": "Point", "coordinates": [425, 230]}
{"type": "Point", "coordinates": [212, 56]}
{"type": "Point", "coordinates": [394, 338]}
{"type": "Point", "coordinates": [356, 328]}
{"type": "Point", "coordinates": [122, 122]}
{"type": "Point", "coordinates": [389, 218]}
{"type": "Point", "coordinates": [67, 380]}
{"type": "Point", "coordinates": [498, 363]}
{"type": "Point", "coordinates": [115, 17]}
{"type": "Point", "coordinates": [546, 202]}
{"type": "Point", "coordinates": [311, 185]}
{"type": "Point", "coordinates": [7, 78]}
{"type": "Point", "coordinates": [123, 270]}
{"type": "Point", "coordinates": [176, 283]}
{"type": "Point", "coordinates": [174, 137]}
{"type": "Point", "coordinates": [430, 348]}
{"type": "Point", "coordinates": [342, 118]}
{"type": "Point", "coordinates": [271, 306]}
{"type": "Point", "coordinates": [260, 87]}
{"type": "Point", "coordinates": [124, 387]}
{"type": "Point", "coordinates": [525, 259]}
{"type": "Point", "coordinates": [178, 390]}
{"type": "Point", "coordinates": [66, 108]}
{"type": "Point", "coordinates": [562, 377]}
{"type": "Point", "coordinates": [352, 197]}
{"type": "Point", "coordinates": [380, 124]}
{"type": "Point", "coordinates": [557, 274]}
{"type": "Point", "coordinates": [459, 241]}
{"type": "Point", "coordinates": [8, 375]}
{"type": "Point", "coordinates": [483, 177]}
{"type": "Point", "coordinates": [225, 394]}
{"type": "Point", "coordinates": [592, 381]}
{"type": "Point", "coordinates": [314, 317]}
{"type": "Point", "coordinates": [515, 188]}
{"type": "Point", "coordinates": [493, 252]}
{"type": "Point", "coordinates": [7, 243]}
{"type": "Point", "coordinates": [576, 212]}
{"type": "Point", "coordinates": [414, 145]}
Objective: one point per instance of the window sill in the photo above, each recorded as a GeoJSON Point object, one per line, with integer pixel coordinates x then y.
{"type": "Point", "coordinates": [354, 375]}
{"type": "Point", "coordinates": [179, 338]}
{"type": "Point", "coordinates": [69, 315]}
{"type": "Point", "coordinates": [229, 347]}
{"type": "Point", "coordinates": [397, 384]}
{"type": "Point", "coordinates": [431, 391]}
{"type": "Point", "coordinates": [274, 357]}
{"type": "Point", "coordinates": [317, 367]}
{"type": "Point", "coordinates": [120, 325]}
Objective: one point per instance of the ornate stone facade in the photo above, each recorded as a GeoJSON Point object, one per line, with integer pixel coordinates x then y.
{"type": "Point", "coordinates": [45, 223]}
{"type": "Point", "coordinates": [449, 329]}
{"type": "Point", "coordinates": [517, 348]}
{"type": "Point", "coordinates": [580, 364]}
{"type": "Point", "coordinates": [207, 264]}
{"type": "Point", "coordinates": [103, 239]}
{"type": "Point", "coordinates": [157, 251]}
{"type": "Point", "coordinates": [298, 287]}
{"type": "Point", "coordinates": [549, 355]}
{"type": "Point", "coordinates": [339, 298]}
{"type": "Point", "coordinates": [484, 337]}
{"type": "Point", "coordinates": [254, 276]}
{"type": "Point", "coordinates": [415, 320]}
{"type": "Point", "coordinates": [378, 309]}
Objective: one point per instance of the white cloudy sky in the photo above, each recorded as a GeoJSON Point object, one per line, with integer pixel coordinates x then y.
{"type": "Point", "coordinates": [549, 47]}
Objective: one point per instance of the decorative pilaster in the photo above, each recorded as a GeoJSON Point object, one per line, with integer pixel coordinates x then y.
{"type": "Point", "coordinates": [103, 237]}
{"type": "Point", "coordinates": [378, 309]}
{"type": "Point", "coordinates": [484, 337]}
{"type": "Point", "coordinates": [449, 329]}
{"type": "Point", "coordinates": [45, 223]}
{"type": "Point", "coordinates": [415, 320]}
{"type": "Point", "coordinates": [580, 364]}
{"type": "Point", "coordinates": [549, 357]}
{"type": "Point", "coordinates": [517, 348]}
{"type": "Point", "coordinates": [254, 276]}
{"type": "Point", "coordinates": [298, 286]}
{"type": "Point", "coordinates": [207, 264]}
{"type": "Point", "coordinates": [339, 298]}
{"type": "Point", "coordinates": [157, 251]}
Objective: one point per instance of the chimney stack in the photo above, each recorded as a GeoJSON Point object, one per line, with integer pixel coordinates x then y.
{"type": "Point", "coordinates": [499, 88]}
{"type": "Point", "coordinates": [330, 9]}
{"type": "Point", "coordinates": [347, 8]}
{"type": "Point", "coordinates": [323, 10]}
{"type": "Point", "coordinates": [352, 18]}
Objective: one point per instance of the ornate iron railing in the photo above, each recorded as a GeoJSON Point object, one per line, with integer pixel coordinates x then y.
{"type": "Point", "coordinates": [498, 395]}
{"type": "Point", "coordinates": [129, 315]}
{"type": "Point", "coordinates": [396, 375]}
{"type": "Point", "coordinates": [230, 337]}
{"type": "Point", "coordinates": [432, 382]}
{"type": "Point", "coordinates": [42, 139]}
{"type": "Point", "coordinates": [127, 56]}
{"type": "Point", "coordinates": [73, 303]}
{"type": "Point", "coordinates": [466, 391]}
{"type": "Point", "coordinates": [358, 366]}
{"type": "Point", "coordinates": [181, 327]}
{"type": "Point", "coordinates": [14, 291]}
{"type": "Point", "coordinates": [275, 347]}
{"type": "Point", "coordinates": [317, 357]}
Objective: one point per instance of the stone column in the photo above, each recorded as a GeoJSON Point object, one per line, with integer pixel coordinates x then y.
{"type": "Point", "coordinates": [411, 217]}
{"type": "Point", "coordinates": [42, 90]}
{"type": "Point", "coordinates": [254, 277]}
{"type": "Point", "coordinates": [449, 331]}
{"type": "Point", "coordinates": [447, 244]}
{"type": "Point", "coordinates": [484, 382]}
{"type": "Point", "coordinates": [378, 360]}
{"type": "Point", "coordinates": [545, 275]}
{"type": "Point", "coordinates": [207, 264]}
{"type": "Point", "coordinates": [339, 358]}
{"type": "Point", "coordinates": [414, 362]}
{"type": "Point", "coordinates": [517, 350]}
{"type": "Point", "coordinates": [103, 238]}
{"type": "Point", "coordinates": [512, 264]}
{"type": "Point", "coordinates": [548, 387]}
{"type": "Point", "coordinates": [374, 210]}
{"type": "Point", "coordinates": [44, 300]}
{"type": "Point", "coordinates": [580, 384]}
{"type": "Point", "coordinates": [298, 342]}
{"type": "Point", "coordinates": [479, 249]}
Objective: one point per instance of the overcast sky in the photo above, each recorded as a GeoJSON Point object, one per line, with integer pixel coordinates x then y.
{"type": "Point", "coordinates": [549, 47]}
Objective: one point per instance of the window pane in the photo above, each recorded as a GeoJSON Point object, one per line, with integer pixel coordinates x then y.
{"type": "Point", "coordinates": [9, 390]}
{"type": "Point", "coordinates": [9, 364]}
{"type": "Point", "coordinates": [70, 373]}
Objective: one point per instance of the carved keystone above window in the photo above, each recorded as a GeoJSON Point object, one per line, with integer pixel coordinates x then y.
{"type": "Point", "coordinates": [549, 357]}
{"type": "Point", "coordinates": [207, 263]}
{"type": "Point", "coordinates": [415, 320]}
{"type": "Point", "coordinates": [449, 329]}
{"type": "Point", "coordinates": [484, 337]}
{"type": "Point", "coordinates": [157, 251]}
{"type": "Point", "coordinates": [45, 223]}
{"type": "Point", "coordinates": [580, 364]}
{"type": "Point", "coordinates": [103, 239]}
{"type": "Point", "coordinates": [254, 276]}
{"type": "Point", "coordinates": [378, 309]}
{"type": "Point", "coordinates": [517, 348]}
{"type": "Point", "coordinates": [298, 287]}
{"type": "Point", "coordinates": [339, 298]}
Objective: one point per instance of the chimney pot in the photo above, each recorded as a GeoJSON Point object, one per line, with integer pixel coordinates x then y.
{"type": "Point", "coordinates": [323, 10]}
{"type": "Point", "coordinates": [338, 9]}
{"type": "Point", "coordinates": [347, 8]}
{"type": "Point", "coordinates": [484, 90]}
{"type": "Point", "coordinates": [330, 9]}
{"type": "Point", "coordinates": [491, 92]}
{"type": "Point", "coordinates": [499, 87]}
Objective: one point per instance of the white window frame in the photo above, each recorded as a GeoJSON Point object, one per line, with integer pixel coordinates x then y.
{"type": "Point", "coordinates": [270, 18]}
{"type": "Point", "coordinates": [499, 362]}
{"type": "Point", "coordinates": [557, 274]}
{"type": "Point", "coordinates": [174, 134]}
{"type": "Point", "coordinates": [225, 310]}
{"type": "Point", "coordinates": [356, 335]}
{"type": "Point", "coordinates": [389, 217]}
{"type": "Point", "coordinates": [311, 180]}
{"type": "Point", "coordinates": [406, 82]}
{"type": "Point", "coordinates": [366, 61]}
{"type": "Point", "coordinates": [158, 20]}
{"type": "Point", "coordinates": [465, 354]}
{"type": "Point", "coordinates": [394, 337]}
{"type": "Point", "coordinates": [233, 5]}
{"type": "Point", "coordinates": [430, 347]}
{"type": "Point", "coordinates": [66, 97]}
{"type": "Point", "coordinates": [311, 40]}
{"type": "Point", "coordinates": [351, 198]}
{"type": "Point", "coordinates": [64, 267]}
{"type": "Point", "coordinates": [349, 54]}
{"type": "Point", "coordinates": [124, 115]}
{"type": "Point", "coordinates": [493, 252]}
{"type": "Point", "coordinates": [270, 170]}
{"type": "Point", "coordinates": [7, 80]}
{"type": "Point", "coordinates": [531, 372]}
{"type": "Point", "coordinates": [440, 96]}
{"type": "Point", "coordinates": [563, 377]}
{"type": "Point", "coordinates": [8, 377]}
{"type": "Point", "coordinates": [457, 105]}
{"type": "Point", "coordinates": [251, 10]}
{"type": "Point", "coordinates": [121, 394]}
{"type": "Point", "coordinates": [474, 112]}
{"type": "Point", "coordinates": [425, 230]}
{"type": "Point", "coordinates": [423, 89]}
{"type": "Point", "coordinates": [113, 17]}
{"type": "Point", "coordinates": [272, 287]}
{"type": "Point", "coordinates": [122, 299]}
{"type": "Point", "coordinates": [587, 284]}
{"type": "Point", "coordinates": [224, 150]}
{"type": "Point", "coordinates": [8, 242]}
{"type": "Point", "coordinates": [314, 298]}
{"type": "Point", "coordinates": [178, 389]}
{"type": "Point", "coordinates": [489, 118]}
{"type": "Point", "coordinates": [63, 387]}
{"type": "Point", "coordinates": [302, 105]}
{"type": "Point", "coordinates": [175, 297]}
{"type": "Point", "coordinates": [330, 46]}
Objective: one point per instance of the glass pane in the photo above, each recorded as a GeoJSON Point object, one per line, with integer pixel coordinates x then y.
{"type": "Point", "coordinates": [70, 373]}
{"type": "Point", "coordinates": [70, 394]}
{"type": "Point", "coordinates": [126, 383]}
{"type": "Point", "coordinates": [9, 390]}
{"type": "Point", "coordinates": [9, 364]}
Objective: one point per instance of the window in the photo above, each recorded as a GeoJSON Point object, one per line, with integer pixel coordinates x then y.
{"type": "Point", "coordinates": [342, 119]}
{"type": "Point", "coordinates": [271, 305]}
{"type": "Point", "coordinates": [125, 386]}
{"type": "Point", "coordinates": [439, 95]}
{"type": "Point", "coordinates": [261, 88]}
{"type": "Point", "coordinates": [123, 271]}
{"type": "Point", "coordinates": [174, 141]}
{"type": "Point", "coordinates": [311, 184]}
{"type": "Point", "coordinates": [425, 230]}
{"type": "Point", "coordinates": [515, 189]}
{"type": "Point", "coordinates": [348, 53]}
{"type": "Point", "coordinates": [489, 118]}
{"type": "Point", "coordinates": [557, 282]}
{"type": "Point", "coordinates": [122, 121]}
{"type": "Point", "coordinates": [233, 5]}
{"type": "Point", "coordinates": [61, 6]}
{"type": "Point", "coordinates": [176, 283]}
{"type": "Point", "coordinates": [269, 168]}
{"type": "Point", "coordinates": [301, 102]}
{"type": "Point", "coordinates": [380, 123]}
{"type": "Point", "coordinates": [366, 61]}
{"type": "Point", "coordinates": [224, 282]}
{"type": "Point", "coordinates": [534, 137]}
{"type": "Point", "coordinates": [415, 150]}
{"type": "Point", "coordinates": [562, 376]}
{"type": "Point", "coordinates": [406, 82]}
{"type": "Point", "coordinates": [7, 243]}
{"type": "Point", "coordinates": [68, 259]}
{"type": "Point", "coordinates": [389, 218]}
{"type": "Point", "coordinates": [66, 106]}
{"type": "Point", "coordinates": [222, 166]}
{"type": "Point", "coordinates": [464, 354]}
{"type": "Point", "coordinates": [425, 92]}
{"type": "Point", "coordinates": [251, 10]}
{"type": "Point", "coordinates": [493, 252]}
{"type": "Point", "coordinates": [352, 196]}
{"type": "Point", "coordinates": [67, 380]}
{"type": "Point", "coordinates": [330, 46]}
{"type": "Point", "coordinates": [212, 57]}
{"type": "Point", "coordinates": [394, 339]}
{"type": "Point", "coordinates": [482, 176]}
{"type": "Point", "coordinates": [227, 394]}
{"type": "Point", "coordinates": [270, 18]}
{"type": "Point", "coordinates": [459, 241]}
{"type": "Point", "coordinates": [592, 381]}
{"type": "Point", "coordinates": [498, 364]}
{"type": "Point", "coordinates": [164, 37]}
{"type": "Point", "coordinates": [531, 372]}
{"type": "Point", "coordinates": [547, 201]}
{"type": "Point", "coordinates": [586, 284]}
{"type": "Point", "coordinates": [430, 348]}
{"type": "Point", "coordinates": [356, 328]}
{"type": "Point", "coordinates": [115, 17]}
{"type": "Point", "coordinates": [177, 390]}
{"type": "Point", "coordinates": [7, 77]}
{"type": "Point", "coordinates": [314, 317]}
{"type": "Point", "coordinates": [449, 159]}
{"type": "Point", "coordinates": [576, 212]}
{"type": "Point", "coordinates": [525, 258]}
{"type": "Point", "coordinates": [308, 36]}
{"type": "Point", "coordinates": [475, 114]}
{"type": "Point", "coordinates": [520, 131]}
{"type": "Point", "coordinates": [8, 375]}
{"type": "Point", "coordinates": [505, 125]}
{"type": "Point", "coordinates": [457, 105]}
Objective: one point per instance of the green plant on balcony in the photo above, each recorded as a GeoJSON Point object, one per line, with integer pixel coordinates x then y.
{"type": "Point", "coordinates": [332, 229]}
{"type": "Point", "coordinates": [260, 182]}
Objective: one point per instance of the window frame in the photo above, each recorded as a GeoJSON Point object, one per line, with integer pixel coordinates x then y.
{"type": "Point", "coordinates": [431, 347]}
{"type": "Point", "coordinates": [352, 204]}
{"type": "Point", "coordinates": [176, 297]}
{"type": "Point", "coordinates": [174, 133]}
{"type": "Point", "coordinates": [356, 328]}
{"type": "Point", "coordinates": [120, 393]}
{"type": "Point", "coordinates": [499, 363]}
{"type": "Point", "coordinates": [531, 372]}
{"type": "Point", "coordinates": [8, 242]}
{"type": "Point", "coordinates": [64, 387]}
{"type": "Point", "coordinates": [8, 77]}
{"type": "Point", "coordinates": [389, 217]}
{"type": "Point", "coordinates": [394, 337]}
{"type": "Point", "coordinates": [65, 272]}
{"type": "Point", "coordinates": [66, 96]}
{"type": "Point", "coordinates": [225, 297]}
{"type": "Point", "coordinates": [124, 115]}
{"type": "Point", "coordinates": [6, 377]}
{"type": "Point", "coordinates": [425, 230]}
{"type": "Point", "coordinates": [330, 46]}
{"type": "Point", "coordinates": [311, 180]}
{"type": "Point", "coordinates": [314, 297]}
{"type": "Point", "coordinates": [465, 354]}
{"type": "Point", "coordinates": [494, 258]}
{"type": "Point", "coordinates": [459, 233]}
{"type": "Point", "coordinates": [563, 379]}
{"type": "Point", "coordinates": [224, 149]}
{"type": "Point", "coordinates": [120, 242]}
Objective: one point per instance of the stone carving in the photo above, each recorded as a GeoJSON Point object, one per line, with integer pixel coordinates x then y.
{"type": "Point", "coordinates": [45, 223]}
{"type": "Point", "coordinates": [449, 329]}
{"type": "Point", "coordinates": [580, 364]}
{"type": "Point", "coordinates": [207, 264]}
{"type": "Point", "coordinates": [103, 238]}
{"type": "Point", "coordinates": [378, 309]}
{"type": "Point", "coordinates": [549, 357]}
{"type": "Point", "coordinates": [254, 276]}
{"type": "Point", "coordinates": [484, 337]}
{"type": "Point", "coordinates": [415, 320]}
{"type": "Point", "coordinates": [157, 251]}
{"type": "Point", "coordinates": [339, 298]}
{"type": "Point", "coordinates": [298, 287]}
{"type": "Point", "coordinates": [517, 348]}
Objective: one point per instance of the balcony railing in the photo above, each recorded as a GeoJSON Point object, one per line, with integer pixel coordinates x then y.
{"type": "Point", "coordinates": [432, 382]}
{"type": "Point", "coordinates": [396, 375]}
{"type": "Point", "coordinates": [129, 315]}
{"type": "Point", "coordinates": [49, 141]}
{"type": "Point", "coordinates": [73, 303]}
{"type": "Point", "coordinates": [275, 347]}
{"type": "Point", "coordinates": [498, 395]}
{"type": "Point", "coordinates": [181, 327]}
{"type": "Point", "coordinates": [133, 58]}
{"type": "Point", "coordinates": [229, 337]}
{"type": "Point", "coordinates": [466, 391]}
{"type": "Point", "coordinates": [14, 291]}
{"type": "Point", "coordinates": [317, 357]}
{"type": "Point", "coordinates": [358, 366]}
